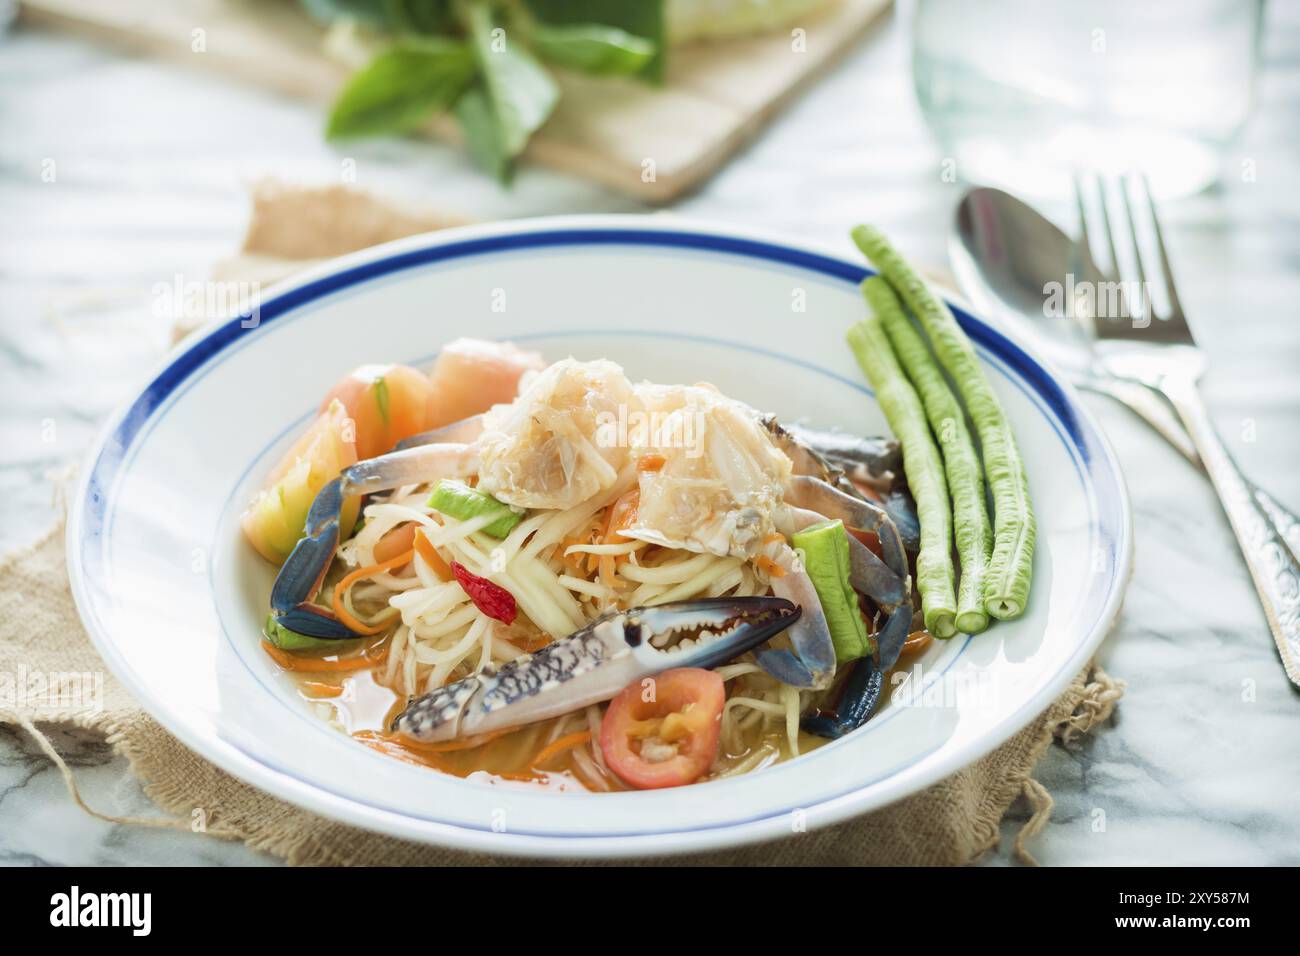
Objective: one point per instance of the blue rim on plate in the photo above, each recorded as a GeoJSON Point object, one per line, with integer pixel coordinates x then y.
{"type": "Point", "coordinates": [92, 513]}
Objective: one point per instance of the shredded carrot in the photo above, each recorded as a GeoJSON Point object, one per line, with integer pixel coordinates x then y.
{"type": "Point", "coordinates": [575, 560]}
{"type": "Point", "coordinates": [395, 542]}
{"type": "Point", "coordinates": [650, 463]}
{"type": "Point", "coordinates": [401, 752]}
{"type": "Point", "coordinates": [774, 536]}
{"type": "Point", "coordinates": [596, 534]}
{"type": "Point", "coordinates": [531, 644]}
{"type": "Point", "coordinates": [450, 746]}
{"type": "Point", "coordinates": [619, 516]}
{"type": "Point", "coordinates": [607, 566]}
{"type": "Point", "coordinates": [557, 747]}
{"type": "Point", "coordinates": [316, 688]}
{"type": "Point", "coordinates": [321, 665]}
{"type": "Point", "coordinates": [764, 563]}
{"type": "Point", "coordinates": [341, 588]}
{"type": "Point", "coordinates": [526, 777]}
{"type": "Point", "coordinates": [424, 547]}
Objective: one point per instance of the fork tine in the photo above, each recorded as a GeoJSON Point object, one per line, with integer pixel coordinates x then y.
{"type": "Point", "coordinates": [1085, 240]}
{"type": "Point", "coordinates": [1099, 183]}
{"type": "Point", "coordinates": [1086, 318]}
{"type": "Point", "coordinates": [1143, 302]}
{"type": "Point", "coordinates": [1166, 273]}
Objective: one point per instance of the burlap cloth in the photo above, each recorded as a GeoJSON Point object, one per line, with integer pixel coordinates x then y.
{"type": "Point", "coordinates": [952, 822]}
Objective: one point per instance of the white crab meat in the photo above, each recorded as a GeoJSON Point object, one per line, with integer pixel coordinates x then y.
{"type": "Point", "coordinates": [553, 446]}
{"type": "Point", "coordinates": [721, 485]}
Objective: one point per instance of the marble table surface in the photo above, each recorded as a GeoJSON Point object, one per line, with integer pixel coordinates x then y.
{"type": "Point", "coordinates": [153, 165]}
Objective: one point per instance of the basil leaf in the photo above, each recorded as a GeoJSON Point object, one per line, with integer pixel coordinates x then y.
{"type": "Point", "coordinates": [522, 92]}
{"type": "Point", "coordinates": [401, 88]}
{"type": "Point", "coordinates": [478, 124]}
{"type": "Point", "coordinates": [593, 48]}
{"type": "Point", "coordinates": [644, 19]}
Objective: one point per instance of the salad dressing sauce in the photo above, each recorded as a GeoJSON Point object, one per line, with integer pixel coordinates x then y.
{"type": "Point", "coordinates": [359, 705]}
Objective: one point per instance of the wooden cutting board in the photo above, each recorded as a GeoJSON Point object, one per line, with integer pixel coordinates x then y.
{"type": "Point", "coordinates": [653, 143]}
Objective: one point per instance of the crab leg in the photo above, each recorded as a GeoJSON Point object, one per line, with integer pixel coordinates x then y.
{"type": "Point", "coordinates": [879, 459]}
{"type": "Point", "coordinates": [303, 573]}
{"type": "Point", "coordinates": [595, 663]}
{"type": "Point", "coordinates": [812, 663]}
{"type": "Point", "coordinates": [867, 573]}
{"type": "Point", "coordinates": [410, 466]}
{"type": "Point", "coordinates": [850, 463]}
{"type": "Point", "coordinates": [858, 701]}
{"type": "Point", "coordinates": [465, 430]}
{"type": "Point", "coordinates": [887, 582]}
{"type": "Point", "coordinates": [814, 494]}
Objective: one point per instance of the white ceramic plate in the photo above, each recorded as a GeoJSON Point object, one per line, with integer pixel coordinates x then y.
{"type": "Point", "coordinates": [174, 598]}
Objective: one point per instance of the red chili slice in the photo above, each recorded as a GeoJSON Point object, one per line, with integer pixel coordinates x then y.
{"type": "Point", "coordinates": [492, 599]}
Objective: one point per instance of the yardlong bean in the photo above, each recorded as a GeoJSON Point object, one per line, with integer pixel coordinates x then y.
{"type": "Point", "coordinates": [1006, 584]}
{"type": "Point", "coordinates": [961, 465]}
{"type": "Point", "coordinates": [902, 408]}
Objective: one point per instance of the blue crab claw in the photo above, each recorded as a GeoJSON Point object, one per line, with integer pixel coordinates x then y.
{"type": "Point", "coordinates": [786, 667]}
{"type": "Point", "coordinates": [810, 661]}
{"type": "Point", "coordinates": [893, 635]}
{"type": "Point", "coordinates": [862, 689]}
{"type": "Point", "coordinates": [595, 663]}
{"type": "Point", "coordinates": [301, 576]}
{"type": "Point", "coordinates": [861, 694]}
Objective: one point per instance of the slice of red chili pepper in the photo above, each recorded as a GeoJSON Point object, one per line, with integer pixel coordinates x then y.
{"type": "Point", "coordinates": [492, 599]}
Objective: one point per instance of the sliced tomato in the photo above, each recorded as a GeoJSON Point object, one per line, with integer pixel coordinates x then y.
{"type": "Point", "coordinates": [663, 731]}
{"type": "Point", "coordinates": [472, 375]}
{"type": "Point", "coordinates": [276, 517]}
{"type": "Point", "coordinates": [386, 404]}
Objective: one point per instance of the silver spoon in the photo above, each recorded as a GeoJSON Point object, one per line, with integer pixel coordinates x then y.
{"type": "Point", "coordinates": [1004, 254]}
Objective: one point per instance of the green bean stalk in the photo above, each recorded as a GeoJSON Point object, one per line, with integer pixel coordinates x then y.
{"type": "Point", "coordinates": [902, 408]}
{"type": "Point", "coordinates": [1006, 583]}
{"type": "Point", "coordinates": [971, 529]}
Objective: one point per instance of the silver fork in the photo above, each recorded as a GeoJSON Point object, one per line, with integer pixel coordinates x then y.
{"type": "Point", "coordinates": [1159, 351]}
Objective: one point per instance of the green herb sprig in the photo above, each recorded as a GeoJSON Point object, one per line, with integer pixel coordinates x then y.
{"type": "Point", "coordinates": [486, 63]}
